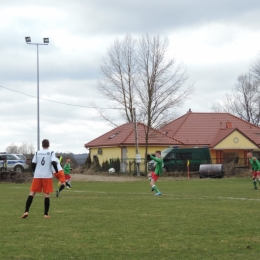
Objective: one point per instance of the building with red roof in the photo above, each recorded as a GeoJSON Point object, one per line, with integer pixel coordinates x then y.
{"type": "Point", "coordinates": [120, 143]}
{"type": "Point", "coordinates": [227, 136]}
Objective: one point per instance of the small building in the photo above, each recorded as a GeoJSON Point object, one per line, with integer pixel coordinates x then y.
{"type": "Point", "coordinates": [228, 137]}
{"type": "Point", "coordinates": [119, 143]}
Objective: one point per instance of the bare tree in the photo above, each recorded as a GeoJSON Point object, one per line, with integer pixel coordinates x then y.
{"type": "Point", "coordinates": [12, 148]}
{"type": "Point", "coordinates": [119, 72]}
{"type": "Point", "coordinates": [244, 101]}
{"type": "Point", "coordinates": [138, 73]}
{"type": "Point", "coordinates": [23, 148]}
{"type": "Point", "coordinates": [255, 68]}
{"type": "Point", "coordinates": [163, 83]}
{"type": "Point", "coordinates": [26, 149]}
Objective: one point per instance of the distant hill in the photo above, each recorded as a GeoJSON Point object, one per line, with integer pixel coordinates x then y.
{"type": "Point", "coordinates": [80, 158]}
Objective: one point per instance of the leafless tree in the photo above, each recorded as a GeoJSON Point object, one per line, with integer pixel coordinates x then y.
{"type": "Point", "coordinates": [12, 148]}
{"type": "Point", "coordinates": [255, 68]}
{"type": "Point", "coordinates": [163, 83]}
{"type": "Point", "coordinates": [244, 101]}
{"type": "Point", "coordinates": [26, 149]}
{"type": "Point", "coordinates": [119, 77]}
{"type": "Point", "coordinates": [23, 148]}
{"type": "Point", "coordinates": [139, 73]}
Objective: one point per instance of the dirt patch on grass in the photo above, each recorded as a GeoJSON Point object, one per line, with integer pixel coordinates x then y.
{"type": "Point", "coordinates": [106, 178]}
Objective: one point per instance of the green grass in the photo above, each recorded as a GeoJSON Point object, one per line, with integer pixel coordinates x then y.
{"type": "Point", "coordinates": [193, 219]}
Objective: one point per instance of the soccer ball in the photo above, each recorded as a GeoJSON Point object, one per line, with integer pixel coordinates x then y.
{"type": "Point", "coordinates": [111, 170]}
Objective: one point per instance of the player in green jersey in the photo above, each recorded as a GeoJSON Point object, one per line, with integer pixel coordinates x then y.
{"type": "Point", "coordinates": [255, 167]}
{"type": "Point", "coordinates": [154, 175]}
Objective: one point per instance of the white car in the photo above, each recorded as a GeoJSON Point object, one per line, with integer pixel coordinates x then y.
{"type": "Point", "coordinates": [15, 162]}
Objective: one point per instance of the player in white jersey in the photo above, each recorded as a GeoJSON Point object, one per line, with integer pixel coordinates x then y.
{"type": "Point", "coordinates": [42, 163]}
{"type": "Point", "coordinates": [60, 176]}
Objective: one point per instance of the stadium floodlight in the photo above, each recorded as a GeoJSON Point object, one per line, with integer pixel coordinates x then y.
{"type": "Point", "coordinates": [28, 39]}
{"type": "Point", "coordinates": [45, 42]}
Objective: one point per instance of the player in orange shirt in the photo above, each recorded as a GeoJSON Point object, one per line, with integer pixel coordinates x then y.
{"type": "Point", "coordinates": [60, 176]}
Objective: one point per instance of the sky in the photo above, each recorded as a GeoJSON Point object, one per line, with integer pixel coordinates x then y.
{"type": "Point", "coordinates": [216, 40]}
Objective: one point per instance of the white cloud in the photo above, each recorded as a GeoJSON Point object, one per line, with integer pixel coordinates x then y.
{"type": "Point", "coordinates": [216, 40]}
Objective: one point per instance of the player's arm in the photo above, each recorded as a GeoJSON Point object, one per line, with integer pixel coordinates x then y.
{"type": "Point", "coordinates": [156, 159]}
{"type": "Point", "coordinates": [34, 162]}
{"type": "Point", "coordinates": [53, 162]}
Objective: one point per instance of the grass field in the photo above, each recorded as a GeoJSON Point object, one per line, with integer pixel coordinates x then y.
{"type": "Point", "coordinates": [193, 219]}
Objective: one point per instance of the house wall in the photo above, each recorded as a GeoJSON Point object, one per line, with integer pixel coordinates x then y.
{"type": "Point", "coordinates": [107, 153]}
{"type": "Point", "coordinates": [213, 155]}
{"type": "Point", "coordinates": [236, 141]}
{"type": "Point", "coordinates": [151, 149]}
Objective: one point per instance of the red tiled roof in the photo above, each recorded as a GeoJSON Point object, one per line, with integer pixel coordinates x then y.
{"type": "Point", "coordinates": [203, 128]}
{"type": "Point", "coordinates": [125, 135]}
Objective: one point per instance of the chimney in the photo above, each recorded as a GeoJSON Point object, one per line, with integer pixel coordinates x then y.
{"type": "Point", "coordinates": [228, 124]}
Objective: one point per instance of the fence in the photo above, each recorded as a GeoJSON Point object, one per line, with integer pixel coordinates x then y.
{"type": "Point", "coordinates": [128, 165]}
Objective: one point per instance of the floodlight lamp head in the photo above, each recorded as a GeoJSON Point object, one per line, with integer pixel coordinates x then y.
{"type": "Point", "coordinates": [46, 40]}
{"type": "Point", "coordinates": [28, 39]}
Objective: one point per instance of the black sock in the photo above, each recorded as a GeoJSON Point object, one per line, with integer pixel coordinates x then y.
{"type": "Point", "coordinates": [61, 187]}
{"type": "Point", "coordinates": [28, 203]}
{"type": "Point", "coordinates": [46, 206]}
{"type": "Point", "coordinates": [67, 184]}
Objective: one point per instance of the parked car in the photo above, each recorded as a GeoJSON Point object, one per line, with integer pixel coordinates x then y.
{"type": "Point", "coordinates": [15, 162]}
{"type": "Point", "coordinates": [176, 159]}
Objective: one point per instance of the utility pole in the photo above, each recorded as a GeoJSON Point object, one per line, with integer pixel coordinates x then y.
{"type": "Point", "coordinates": [137, 155]}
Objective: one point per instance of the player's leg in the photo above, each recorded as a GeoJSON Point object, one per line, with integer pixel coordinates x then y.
{"type": "Point", "coordinates": [35, 187]}
{"type": "Point", "coordinates": [47, 189]}
{"type": "Point", "coordinates": [56, 175]}
{"type": "Point", "coordinates": [68, 183]}
{"type": "Point", "coordinates": [254, 179]}
{"type": "Point", "coordinates": [46, 205]}
{"type": "Point", "coordinates": [258, 177]}
{"type": "Point", "coordinates": [152, 183]}
{"type": "Point", "coordinates": [62, 181]}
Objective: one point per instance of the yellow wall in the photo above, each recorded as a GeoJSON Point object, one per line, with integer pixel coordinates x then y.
{"type": "Point", "coordinates": [236, 141]}
{"type": "Point", "coordinates": [213, 156]}
{"type": "Point", "coordinates": [151, 149]}
{"type": "Point", "coordinates": [115, 152]}
{"type": "Point", "coordinates": [107, 153]}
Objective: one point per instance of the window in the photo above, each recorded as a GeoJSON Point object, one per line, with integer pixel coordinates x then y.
{"type": "Point", "coordinates": [112, 136]}
{"type": "Point", "coordinates": [170, 156]}
{"type": "Point", "coordinates": [10, 157]}
{"type": "Point", "coordinates": [229, 157]}
{"type": "Point", "coordinates": [183, 156]}
{"type": "Point", "coordinates": [20, 156]}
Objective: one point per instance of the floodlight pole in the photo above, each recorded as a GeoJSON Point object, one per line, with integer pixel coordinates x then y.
{"type": "Point", "coordinates": [46, 42]}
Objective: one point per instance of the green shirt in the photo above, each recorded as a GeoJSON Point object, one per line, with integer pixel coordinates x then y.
{"type": "Point", "coordinates": [159, 165]}
{"type": "Point", "coordinates": [66, 168]}
{"type": "Point", "coordinates": [254, 163]}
